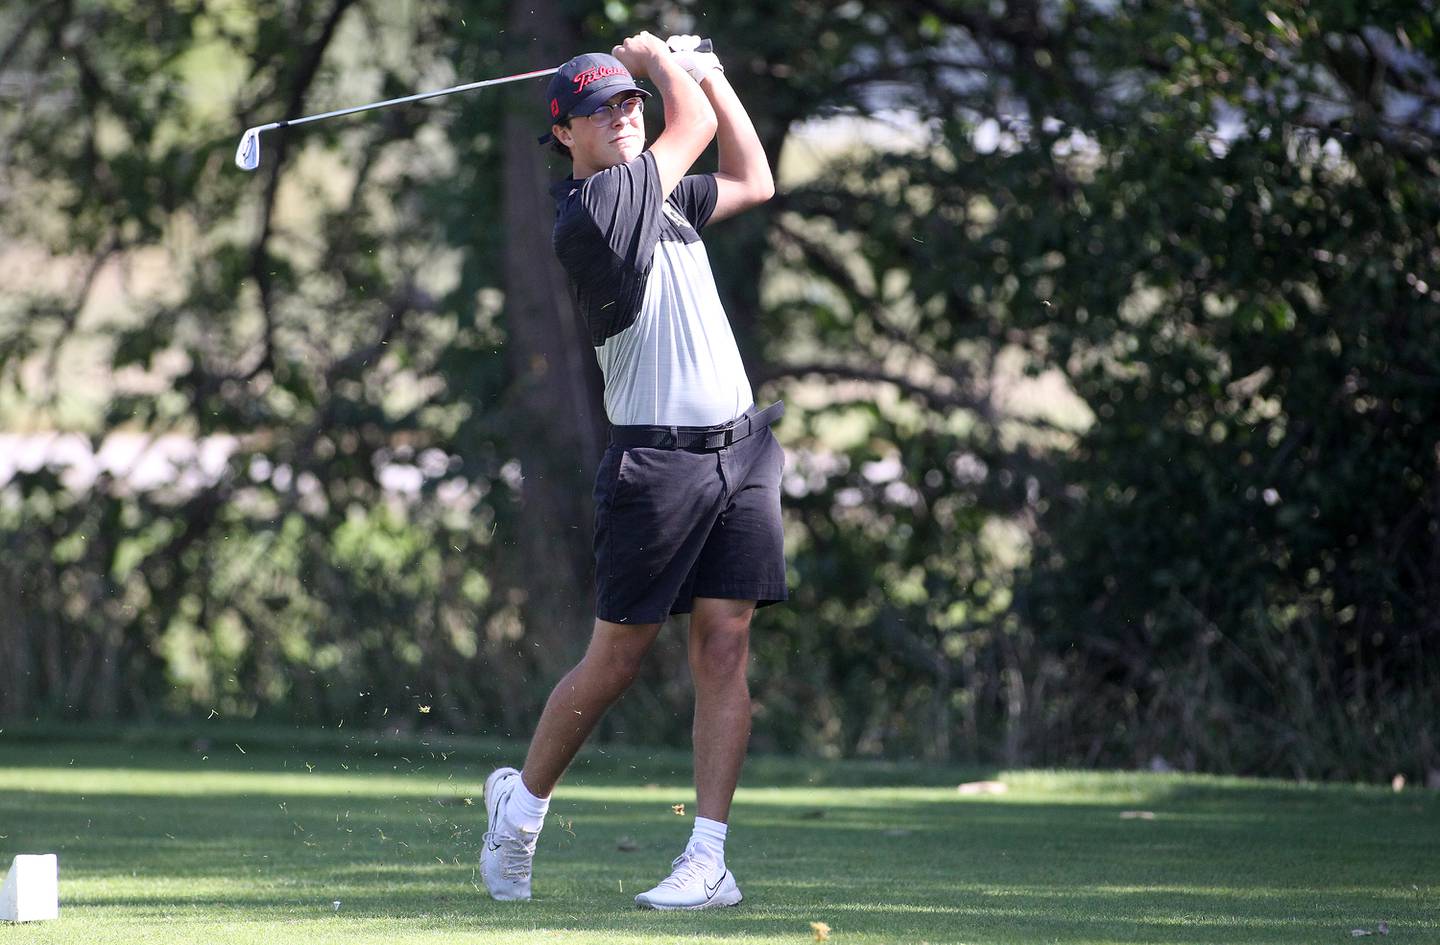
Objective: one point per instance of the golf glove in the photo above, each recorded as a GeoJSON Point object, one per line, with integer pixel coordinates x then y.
{"type": "Point", "coordinates": [698, 64]}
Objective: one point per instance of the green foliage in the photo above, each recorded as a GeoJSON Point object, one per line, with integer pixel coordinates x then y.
{"type": "Point", "coordinates": [1246, 567]}
{"type": "Point", "coordinates": [300, 328]}
{"type": "Point", "coordinates": [1110, 345]}
{"type": "Point", "coordinates": [1223, 240]}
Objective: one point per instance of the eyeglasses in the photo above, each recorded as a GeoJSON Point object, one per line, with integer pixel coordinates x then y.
{"type": "Point", "coordinates": [629, 109]}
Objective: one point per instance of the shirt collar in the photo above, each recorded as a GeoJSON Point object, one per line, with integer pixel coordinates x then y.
{"type": "Point", "coordinates": [564, 188]}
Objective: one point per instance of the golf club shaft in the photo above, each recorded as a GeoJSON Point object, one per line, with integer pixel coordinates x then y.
{"type": "Point", "coordinates": [247, 155]}
{"type": "Point", "coordinates": [419, 96]}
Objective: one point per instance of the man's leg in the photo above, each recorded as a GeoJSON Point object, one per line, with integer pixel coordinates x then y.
{"type": "Point", "coordinates": [515, 802]}
{"type": "Point", "coordinates": [719, 660]}
{"type": "Point", "coordinates": [719, 657]}
{"type": "Point", "coordinates": [611, 662]}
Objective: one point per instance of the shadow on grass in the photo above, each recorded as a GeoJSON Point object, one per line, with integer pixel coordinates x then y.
{"type": "Point", "coordinates": [242, 747]}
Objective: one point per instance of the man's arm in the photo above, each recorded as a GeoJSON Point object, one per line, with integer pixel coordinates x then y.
{"type": "Point", "coordinates": [689, 117]}
{"type": "Point", "coordinates": [743, 179]}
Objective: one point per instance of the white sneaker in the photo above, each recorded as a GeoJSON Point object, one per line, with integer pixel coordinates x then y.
{"type": "Point", "coordinates": [698, 882]}
{"type": "Point", "coordinates": [507, 851]}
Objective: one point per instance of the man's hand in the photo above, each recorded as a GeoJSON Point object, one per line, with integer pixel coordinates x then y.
{"type": "Point", "coordinates": [639, 51]}
{"type": "Point", "coordinates": [699, 64]}
{"type": "Point", "coordinates": [689, 116]}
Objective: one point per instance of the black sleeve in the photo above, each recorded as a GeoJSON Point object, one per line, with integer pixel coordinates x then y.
{"type": "Point", "coordinates": [606, 232]}
{"type": "Point", "coordinates": [624, 203]}
{"type": "Point", "coordinates": [695, 195]}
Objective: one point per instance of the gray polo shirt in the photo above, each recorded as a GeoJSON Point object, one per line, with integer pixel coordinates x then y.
{"type": "Point", "coordinates": [644, 286]}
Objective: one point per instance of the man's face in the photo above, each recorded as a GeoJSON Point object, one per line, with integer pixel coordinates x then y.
{"type": "Point", "coordinates": [614, 135]}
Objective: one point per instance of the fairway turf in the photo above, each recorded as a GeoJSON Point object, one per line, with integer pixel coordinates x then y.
{"type": "Point", "coordinates": [255, 836]}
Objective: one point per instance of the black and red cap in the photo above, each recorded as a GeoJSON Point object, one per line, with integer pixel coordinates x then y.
{"type": "Point", "coordinates": [583, 85]}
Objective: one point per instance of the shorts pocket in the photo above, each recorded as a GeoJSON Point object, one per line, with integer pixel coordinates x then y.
{"type": "Point", "coordinates": [639, 465]}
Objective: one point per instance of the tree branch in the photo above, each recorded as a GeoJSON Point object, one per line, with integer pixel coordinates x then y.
{"type": "Point", "coordinates": [13, 47]}
{"type": "Point", "coordinates": [934, 399]}
{"type": "Point", "coordinates": [259, 269]}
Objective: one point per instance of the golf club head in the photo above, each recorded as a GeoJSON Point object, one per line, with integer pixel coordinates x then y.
{"type": "Point", "coordinates": [247, 155]}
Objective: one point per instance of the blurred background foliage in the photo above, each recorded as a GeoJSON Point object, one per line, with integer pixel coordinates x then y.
{"type": "Point", "coordinates": [1110, 333]}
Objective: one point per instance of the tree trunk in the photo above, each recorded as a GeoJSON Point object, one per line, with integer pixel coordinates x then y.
{"type": "Point", "coordinates": [16, 650]}
{"type": "Point", "coordinates": [555, 389]}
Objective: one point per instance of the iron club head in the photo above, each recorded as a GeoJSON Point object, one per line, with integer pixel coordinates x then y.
{"type": "Point", "coordinates": [247, 155]}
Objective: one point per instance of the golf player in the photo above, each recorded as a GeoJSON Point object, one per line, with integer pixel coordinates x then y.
{"type": "Point", "coordinates": [687, 497]}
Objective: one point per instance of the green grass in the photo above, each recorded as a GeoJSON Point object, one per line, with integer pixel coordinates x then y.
{"type": "Point", "coordinates": [165, 839]}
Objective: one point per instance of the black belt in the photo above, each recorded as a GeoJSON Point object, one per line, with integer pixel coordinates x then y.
{"type": "Point", "coordinates": [698, 439]}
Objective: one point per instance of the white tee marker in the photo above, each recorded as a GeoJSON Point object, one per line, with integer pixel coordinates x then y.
{"type": "Point", "coordinates": [32, 889]}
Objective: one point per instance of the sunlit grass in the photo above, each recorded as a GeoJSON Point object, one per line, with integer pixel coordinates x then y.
{"type": "Point", "coordinates": [255, 836]}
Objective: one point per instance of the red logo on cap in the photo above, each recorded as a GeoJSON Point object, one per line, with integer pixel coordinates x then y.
{"type": "Point", "coordinates": [554, 108]}
{"type": "Point", "coordinates": [599, 72]}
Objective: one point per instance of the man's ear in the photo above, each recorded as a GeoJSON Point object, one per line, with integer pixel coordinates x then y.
{"type": "Point", "coordinates": [563, 135]}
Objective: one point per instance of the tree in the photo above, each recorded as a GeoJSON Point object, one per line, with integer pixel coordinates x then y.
{"type": "Point", "coordinates": [1095, 331]}
{"type": "Point", "coordinates": [1260, 349]}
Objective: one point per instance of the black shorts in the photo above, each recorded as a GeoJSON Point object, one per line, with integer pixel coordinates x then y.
{"type": "Point", "coordinates": [673, 525]}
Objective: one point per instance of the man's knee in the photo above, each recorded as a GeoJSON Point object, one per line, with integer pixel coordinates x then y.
{"type": "Point", "coordinates": [720, 645]}
{"type": "Point", "coordinates": [617, 652]}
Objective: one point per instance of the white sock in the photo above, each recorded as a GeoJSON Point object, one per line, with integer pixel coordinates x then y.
{"type": "Point", "coordinates": [711, 835]}
{"type": "Point", "coordinates": [525, 810]}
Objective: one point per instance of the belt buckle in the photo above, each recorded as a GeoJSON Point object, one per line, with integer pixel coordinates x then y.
{"type": "Point", "coordinates": [730, 434]}
{"type": "Point", "coordinates": [669, 439]}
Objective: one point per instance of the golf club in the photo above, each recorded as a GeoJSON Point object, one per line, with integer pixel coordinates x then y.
{"type": "Point", "coordinates": [247, 155]}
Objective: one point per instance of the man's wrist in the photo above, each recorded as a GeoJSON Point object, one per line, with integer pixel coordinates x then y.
{"type": "Point", "coordinates": [700, 66]}
{"type": "Point", "coordinates": [695, 55]}
{"type": "Point", "coordinates": [669, 65]}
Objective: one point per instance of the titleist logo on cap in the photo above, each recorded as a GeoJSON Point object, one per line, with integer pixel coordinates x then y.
{"type": "Point", "coordinates": [593, 74]}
